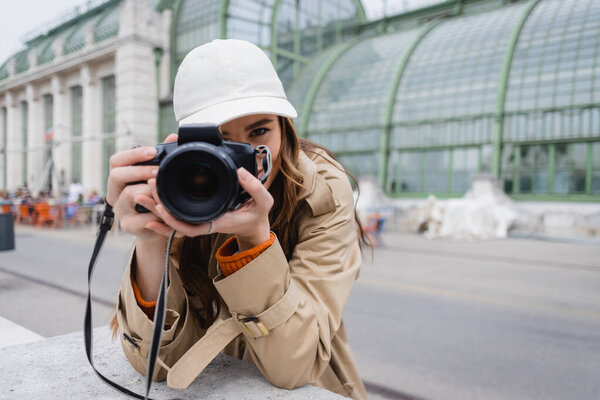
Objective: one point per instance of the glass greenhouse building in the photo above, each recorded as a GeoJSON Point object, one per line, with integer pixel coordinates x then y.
{"type": "Point", "coordinates": [422, 100]}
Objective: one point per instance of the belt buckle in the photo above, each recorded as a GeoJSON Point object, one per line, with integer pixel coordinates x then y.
{"type": "Point", "coordinates": [248, 322]}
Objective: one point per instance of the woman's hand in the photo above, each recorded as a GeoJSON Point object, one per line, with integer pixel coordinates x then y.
{"type": "Point", "coordinates": [250, 223]}
{"type": "Point", "coordinates": [123, 196]}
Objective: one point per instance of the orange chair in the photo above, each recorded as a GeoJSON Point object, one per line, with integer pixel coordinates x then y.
{"type": "Point", "coordinates": [24, 214]}
{"type": "Point", "coordinates": [6, 209]}
{"type": "Point", "coordinates": [44, 216]}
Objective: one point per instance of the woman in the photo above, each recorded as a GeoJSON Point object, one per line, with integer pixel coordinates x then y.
{"type": "Point", "coordinates": [297, 238]}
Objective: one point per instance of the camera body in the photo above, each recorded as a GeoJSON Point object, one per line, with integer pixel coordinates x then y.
{"type": "Point", "coordinates": [197, 175]}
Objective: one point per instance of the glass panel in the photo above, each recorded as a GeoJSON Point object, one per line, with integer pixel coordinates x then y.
{"type": "Point", "coordinates": [465, 165]}
{"type": "Point", "coordinates": [570, 167]}
{"type": "Point", "coordinates": [533, 170]}
{"type": "Point", "coordinates": [298, 90]}
{"type": "Point", "coordinates": [508, 169]}
{"type": "Point", "coordinates": [411, 167]}
{"type": "Point", "coordinates": [197, 23]}
{"type": "Point", "coordinates": [46, 52]}
{"type": "Point", "coordinates": [454, 73]}
{"type": "Point", "coordinates": [108, 26]}
{"type": "Point", "coordinates": [351, 100]}
{"type": "Point", "coordinates": [355, 90]}
{"type": "Point", "coordinates": [596, 168]}
{"type": "Point", "coordinates": [552, 63]}
{"type": "Point", "coordinates": [561, 168]}
{"type": "Point", "coordinates": [436, 171]}
{"type": "Point", "coordinates": [577, 164]}
{"type": "Point", "coordinates": [525, 169]}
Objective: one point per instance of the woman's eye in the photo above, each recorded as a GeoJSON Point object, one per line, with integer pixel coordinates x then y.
{"type": "Point", "coordinates": [259, 132]}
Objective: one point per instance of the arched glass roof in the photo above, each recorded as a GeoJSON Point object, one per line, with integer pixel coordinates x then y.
{"type": "Point", "coordinates": [197, 22]}
{"type": "Point", "coordinates": [348, 114]}
{"type": "Point", "coordinates": [250, 20]}
{"type": "Point", "coordinates": [298, 91]}
{"type": "Point", "coordinates": [556, 65]}
{"type": "Point", "coordinates": [46, 52]}
{"type": "Point", "coordinates": [290, 31]}
{"type": "Point", "coordinates": [108, 25]}
{"type": "Point", "coordinates": [75, 40]}
{"type": "Point", "coordinates": [453, 76]}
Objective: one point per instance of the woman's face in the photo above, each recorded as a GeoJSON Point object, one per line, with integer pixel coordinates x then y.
{"type": "Point", "coordinates": [256, 130]}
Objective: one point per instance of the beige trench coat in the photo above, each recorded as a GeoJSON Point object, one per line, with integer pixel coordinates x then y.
{"type": "Point", "coordinates": [300, 301]}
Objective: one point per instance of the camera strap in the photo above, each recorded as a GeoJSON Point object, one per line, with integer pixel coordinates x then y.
{"type": "Point", "coordinates": [159, 313]}
{"type": "Point", "coordinates": [221, 334]}
{"type": "Point", "coordinates": [267, 162]}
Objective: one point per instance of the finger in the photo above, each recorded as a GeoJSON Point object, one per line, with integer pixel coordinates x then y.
{"type": "Point", "coordinates": [146, 201]}
{"type": "Point", "coordinates": [182, 227]}
{"type": "Point", "coordinates": [132, 156]}
{"type": "Point", "coordinates": [134, 223]}
{"type": "Point", "coordinates": [121, 176]}
{"type": "Point", "coordinates": [162, 229]}
{"type": "Point", "coordinates": [255, 188]}
{"type": "Point", "coordinates": [153, 190]}
{"type": "Point", "coordinates": [171, 138]}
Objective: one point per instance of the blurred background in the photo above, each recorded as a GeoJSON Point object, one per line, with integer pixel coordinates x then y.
{"type": "Point", "coordinates": [473, 127]}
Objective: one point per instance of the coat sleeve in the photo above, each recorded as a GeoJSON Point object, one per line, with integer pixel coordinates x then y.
{"type": "Point", "coordinates": [322, 270]}
{"type": "Point", "coordinates": [181, 331]}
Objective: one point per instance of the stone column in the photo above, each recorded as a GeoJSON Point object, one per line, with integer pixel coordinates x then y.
{"type": "Point", "coordinates": [13, 158]}
{"type": "Point", "coordinates": [91, 144]}
{"type": "Point", "coordinates": [60, 152]}
{"type": "Point", "coordinates": [135, 74]}
{"type": "Point", "coordinates": [35, 139]}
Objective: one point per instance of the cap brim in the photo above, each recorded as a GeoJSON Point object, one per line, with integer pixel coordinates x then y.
{"type": "Point", "coordinates": [223, 112]}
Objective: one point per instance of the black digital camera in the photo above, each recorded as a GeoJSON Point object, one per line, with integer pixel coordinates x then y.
{"type": "Point", "coordinates": [197, 176]}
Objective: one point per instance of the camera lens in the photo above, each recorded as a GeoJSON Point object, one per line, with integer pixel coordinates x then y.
{"type": "Point", "coordinates": [198, 181]}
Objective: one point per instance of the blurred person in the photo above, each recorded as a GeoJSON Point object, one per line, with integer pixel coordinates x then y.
{"type": "Point", "coordinates": [75, 191]}
{"type": "Point", "coordinates": [298, 235]}
{"type": "Point", "coordinates": [94, 198]}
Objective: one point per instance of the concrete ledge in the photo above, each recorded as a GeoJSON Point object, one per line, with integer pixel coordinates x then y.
{"type": "Point", "coordinates": [13, 334]}
{"type": "Point", "coordinates": [57, 368]}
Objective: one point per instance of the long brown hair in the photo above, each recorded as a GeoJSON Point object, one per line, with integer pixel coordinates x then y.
{"type": "Point", "coordinates": [193, 253]}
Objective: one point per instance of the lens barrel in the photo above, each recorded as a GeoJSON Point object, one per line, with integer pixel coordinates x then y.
{"type": "Point", "coordinates": [197, 182]}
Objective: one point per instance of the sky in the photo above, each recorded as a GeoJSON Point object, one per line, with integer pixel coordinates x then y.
{"type": "Point", "coordinates": [19, 17]}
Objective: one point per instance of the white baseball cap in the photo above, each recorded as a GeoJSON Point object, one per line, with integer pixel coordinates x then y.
{"type": "Point", "coordinates": [226, 79]}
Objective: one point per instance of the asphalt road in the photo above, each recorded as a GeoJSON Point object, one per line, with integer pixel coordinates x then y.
{"type": "Point", "coordinates": [512, 319]}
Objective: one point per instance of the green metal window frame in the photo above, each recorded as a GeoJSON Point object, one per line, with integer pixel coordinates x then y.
{"type": "Point", "coordinates": [551, 171]}
{"type": "Point", "coordinates": [272, 48]}
{"type": "Point", "coordinates": [422, 170]}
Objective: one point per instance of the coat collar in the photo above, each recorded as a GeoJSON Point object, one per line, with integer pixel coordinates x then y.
{"type": "Point", "coordinates": [315, 189]}
{"type": "Point", "coordinates": [308, 169]}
